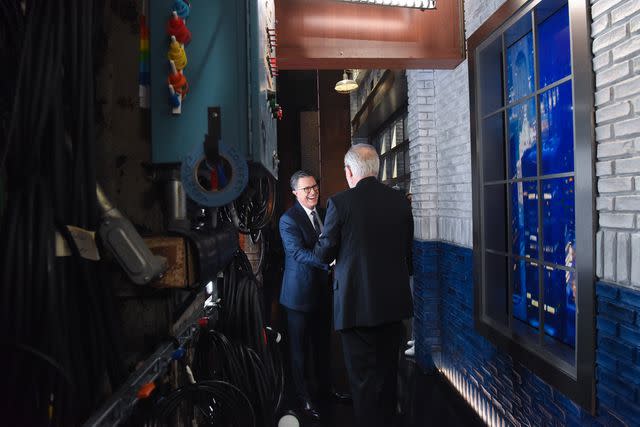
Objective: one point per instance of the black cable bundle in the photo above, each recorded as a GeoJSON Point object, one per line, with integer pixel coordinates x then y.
{"type": "Point", "coordinates": [254, 208]}
{"type": "Point", "coordinates": [60, 347]}
{"type": "Point", "coordinates": [241, 313]}
{"type": "Point", "coordinates": [216, 357]}
{"type": "Point", "coordinates": [242, 350]}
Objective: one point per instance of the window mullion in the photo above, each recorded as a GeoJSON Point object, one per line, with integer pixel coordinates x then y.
{"type": "Point", "coordinates": [505, 130]}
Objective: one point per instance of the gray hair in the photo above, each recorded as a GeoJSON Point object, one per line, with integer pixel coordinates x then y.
{"type": "Point", "coordinates": [297, 175]}
{"type": "Point", "coordinates": [363, 160]}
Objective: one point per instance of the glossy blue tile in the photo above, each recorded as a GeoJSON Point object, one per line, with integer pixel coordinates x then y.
{"type": "Point", "coordinates": [522, 140]}
{"type": "Point", "coordinates": [554, 47]}
{"type": "Point", "coordinates": [556, 129]}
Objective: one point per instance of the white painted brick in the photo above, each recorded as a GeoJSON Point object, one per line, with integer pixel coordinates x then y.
{"type": "Point", "coordinates": [613, 74]}
{"type": "Point", "coordinates": [604, 168]}
{"type": "Point", "coordinates": [612, 112]}
{"type": "Point", "coordinates": [603, 96]}
{"type": "Point", "coordinates": [602, 60]}
{"type": "Point", "coordinates": [615, 148]}
{"type": "Point", "coordinates": [635, 256]}
{"type": "Point", "coordinates": [627, 49]}
{"type": "Point", "coordinates": [609, 255]}
{"type": "Point", "coordinates": [627, 9]}
{"type": "Point", "coordinates": [604, 203]}
{"type": "Point", "coordinates": [599, 25]}
{"type": "Point", "coordinates": [636, 182]}
{"type": "Point", "coordinates": [603, 132]}
{"type": "Point", "coordinates": [615, 185]}
{"type": "Point", "coordinates": [634, 25]}
{"type": "Point", "coordinates": [627, 203]}
{"type": "Point", "coordinates": [631, 165]}
{"type": "Point", "coordinates": [599, 254]}
{"type": "Point", "coordinates": [636, 65]}
{"type": "Point", "coordinates": [618, 220]}
{"type": "Point", "coordinates": [622, 256]}
{"type": "Point", "coordinates": [627, 128]}
{"type": "Point", "coordinates": [609, 38]}
{"type": "Point", "coordinates": [602, 6]}
{"type": "Point", "coordinates": [627, 88]}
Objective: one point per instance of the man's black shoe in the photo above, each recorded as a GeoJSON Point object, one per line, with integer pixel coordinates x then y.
{"type": "Point", "coordinates": [311, 410]}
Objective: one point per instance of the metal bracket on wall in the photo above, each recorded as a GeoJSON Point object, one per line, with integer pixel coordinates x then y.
{"type": "Point", "coordinates": [212, 138]}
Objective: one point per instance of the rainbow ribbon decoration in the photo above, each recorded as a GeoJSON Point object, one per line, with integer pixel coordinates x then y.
{"type": "Point", "coordinates": [144, 80]}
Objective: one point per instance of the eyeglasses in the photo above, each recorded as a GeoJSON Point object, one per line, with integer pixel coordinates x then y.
{"type": "Point", "coordinates": [307, 190]}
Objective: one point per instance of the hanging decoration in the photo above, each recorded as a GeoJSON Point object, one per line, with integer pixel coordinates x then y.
{"type": "Point", "coordinates": [179, 35]}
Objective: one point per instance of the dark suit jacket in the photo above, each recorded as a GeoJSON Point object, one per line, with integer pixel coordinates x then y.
{"type": "Point", "coordinates": [305, 278]}
{"type": "Point", "coordinates": [369, 231]}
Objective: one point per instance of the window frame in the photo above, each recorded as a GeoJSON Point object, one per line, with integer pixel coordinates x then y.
{"type": "Point", "coordinates": [401, 113]}
{"type": "Point", "coordinates": [575, 380]}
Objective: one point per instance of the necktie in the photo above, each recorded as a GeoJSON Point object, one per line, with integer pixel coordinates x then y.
{"type": "Point", "coordinates": [316, 223]}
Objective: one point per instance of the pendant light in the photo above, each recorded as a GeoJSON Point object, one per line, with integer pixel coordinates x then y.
{"type": "Point", "coordinates": [346, 85]}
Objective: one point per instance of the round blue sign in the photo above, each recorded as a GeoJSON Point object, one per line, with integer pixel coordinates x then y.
{"type": "Point", "coordinates": [214, 198]}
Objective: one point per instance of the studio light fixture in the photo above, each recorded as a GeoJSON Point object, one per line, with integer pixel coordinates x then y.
{"type": "Point", "coordinates": [346, 85]}
{"type": "Point", "coordinates": [414, 4]}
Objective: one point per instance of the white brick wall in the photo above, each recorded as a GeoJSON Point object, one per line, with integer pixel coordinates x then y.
{"type": "Point", "coordinates": [616, 48]}
{"type": "Point", "coordinates": [477, 11]}
{"type": "Point", "coordinates": [454, 156]}
{"type": "Point", "coordinates": [421, 128]}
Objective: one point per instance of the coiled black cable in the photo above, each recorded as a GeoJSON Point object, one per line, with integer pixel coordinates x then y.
{"type": "Point", "coordinates": [241, 349]}
{"type": "Point", "coordinates": [254, 208]}
{"type": "Point", "coordinates": [211, 403]}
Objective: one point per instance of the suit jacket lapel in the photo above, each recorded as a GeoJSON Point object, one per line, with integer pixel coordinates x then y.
{"type": "Point", "coordinates": [305, 222]}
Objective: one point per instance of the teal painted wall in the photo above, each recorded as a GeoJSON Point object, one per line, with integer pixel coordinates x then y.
{"type": "Point", "coordinates": [216, 72]}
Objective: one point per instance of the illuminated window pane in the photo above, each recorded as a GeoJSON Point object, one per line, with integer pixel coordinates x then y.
{"type": "Point", "coordinates": [524, 279]}
{"type": "Point", "coordinates": [522, 140]}
{"type": "Point", "coordinates": [556, 126]}
{"type": "Point", "coordinates": [524, 219]}
{"type": "Point", "coordinates": [554, 47]}
{"type": "Point", "coordinates": [558, 219]}
{"type": "Point", "coordinates": [520, 68]}
{"type": "Point", "coordinates": [560, 304]}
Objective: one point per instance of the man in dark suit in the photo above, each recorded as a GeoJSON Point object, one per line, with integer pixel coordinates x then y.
{"type": "Point", "coordinates": [305, 290]}
{"type": "Point", "coordinates": [368, 229]}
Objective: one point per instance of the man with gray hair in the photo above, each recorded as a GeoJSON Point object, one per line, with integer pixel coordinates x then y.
{"type": "Point", "coordinates": [368, 230]}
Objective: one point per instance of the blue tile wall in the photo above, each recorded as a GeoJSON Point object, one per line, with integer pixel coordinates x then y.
{"type": "Point", "coordinates": [445, 335]}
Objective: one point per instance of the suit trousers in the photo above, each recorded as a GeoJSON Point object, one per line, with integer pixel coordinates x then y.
{"type": "Point", "coordinates": [309, 336]}
{"type": "Point", "coordinates": [371, 357]}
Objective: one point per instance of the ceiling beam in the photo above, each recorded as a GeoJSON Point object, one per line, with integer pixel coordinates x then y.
{"type": "Point", "coordinates": [328, 34]}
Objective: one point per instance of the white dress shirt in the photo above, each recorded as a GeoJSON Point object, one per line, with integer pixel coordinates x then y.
{"type": "Point", "coordinates": [308, 211]}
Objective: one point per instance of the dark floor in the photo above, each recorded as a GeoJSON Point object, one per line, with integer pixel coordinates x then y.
{"type": "Point", "coordinates": [424, 400]}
